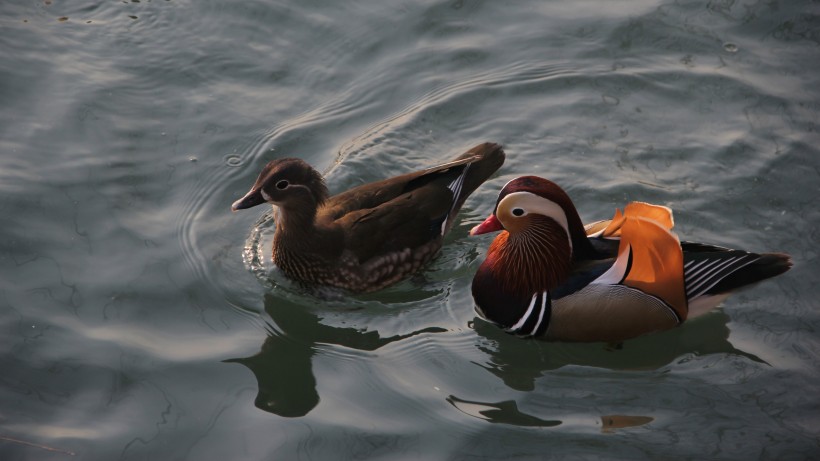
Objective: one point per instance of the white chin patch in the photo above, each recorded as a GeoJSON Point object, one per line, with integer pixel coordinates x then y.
{"type": "Point", "coordinates": [265, 196]}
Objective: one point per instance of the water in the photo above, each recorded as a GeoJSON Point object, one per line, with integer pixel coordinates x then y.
{"type": "Point", "coordinates": [140, 318]}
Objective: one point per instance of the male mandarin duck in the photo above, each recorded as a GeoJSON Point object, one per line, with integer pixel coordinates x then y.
{"type": "Point", "coordinates": [546, 275]}
{"type": "Point", "coordinates": [372, 235]}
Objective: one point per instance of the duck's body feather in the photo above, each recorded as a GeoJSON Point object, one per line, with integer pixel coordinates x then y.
{"type": "Point", "coordinates": [375, 234]}
{"type": "Point", "coordinates": [638, 278]}
{"type": "Point", "coordinates": [581, 310]}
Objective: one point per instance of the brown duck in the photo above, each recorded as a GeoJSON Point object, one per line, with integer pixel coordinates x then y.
{"type": "Point", "coordinates": [372, 235]}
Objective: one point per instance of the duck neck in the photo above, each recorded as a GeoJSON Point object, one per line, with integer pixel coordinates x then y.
{"type": "Point", "coordinates": [295, 235]}
{"type": "Point", "coordinates": [295, 221]}
{"type": "Point", "coordinates": [520, 268]}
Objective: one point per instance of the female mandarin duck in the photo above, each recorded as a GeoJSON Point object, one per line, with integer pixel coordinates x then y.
{"type": "Point", "coordinates": [546, 275]}
{"type": "Point", "coordinates": [372, 235]}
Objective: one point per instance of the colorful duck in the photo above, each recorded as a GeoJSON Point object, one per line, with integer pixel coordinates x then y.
{"type": "Point", "coordinates": [549, 276]}
{"type": "Point", "coordinates": [372, 235]}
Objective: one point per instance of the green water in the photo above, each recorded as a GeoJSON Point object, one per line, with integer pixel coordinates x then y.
{"type": "Point", "coordinates": [141, 320]}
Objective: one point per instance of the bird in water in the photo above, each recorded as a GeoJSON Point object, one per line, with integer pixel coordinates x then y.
{"type": "Point", "coordinates": [547, 275]}
{"type": "Point", "coordinates": [370, 236]}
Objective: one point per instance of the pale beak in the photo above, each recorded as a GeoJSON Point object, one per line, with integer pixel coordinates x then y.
{"type": "Point", "coordinates": [491, 224]}
{"type": "Point", "coordinates": [251, 199]}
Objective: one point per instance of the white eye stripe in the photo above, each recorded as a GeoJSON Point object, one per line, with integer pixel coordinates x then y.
{"type": "Point", "coordinates": [268, 197]}
{"type": "Point", "coordinates": [533, 203]}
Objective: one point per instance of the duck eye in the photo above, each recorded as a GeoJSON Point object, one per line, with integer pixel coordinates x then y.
{"type": "Point", "coordinates": [518, 212]}
{"type": "Point", "coordinates": [282, 185]}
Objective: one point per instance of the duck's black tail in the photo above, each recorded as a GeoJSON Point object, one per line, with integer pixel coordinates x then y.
{"type": "Point", "coordinates": [712, 270]}
{"type": "Point", "coordinates": [766, 266]}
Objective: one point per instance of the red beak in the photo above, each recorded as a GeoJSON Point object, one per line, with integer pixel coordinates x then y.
{"type": "Point", "coordinates": [491, 224]}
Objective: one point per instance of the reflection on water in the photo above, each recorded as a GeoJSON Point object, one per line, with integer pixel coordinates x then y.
{"type": "Point", "coordinates": [609, 423]}
{"type": "Point", "coordinates": [283, 373]}
{"type": "Point", "coordinates": [283, 369]}
{"type": "Point", "coordinates": [512, 359]}
{"type": "Point", "coordinates": [36, 445]}
{"type": "Point", "coordinates": [506, 412]}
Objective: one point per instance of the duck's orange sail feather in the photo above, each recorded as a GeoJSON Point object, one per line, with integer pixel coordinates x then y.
{"type": "Point", "coordinates": [658, 213]}
{"type": "Point", "coordinates": [657, 258]}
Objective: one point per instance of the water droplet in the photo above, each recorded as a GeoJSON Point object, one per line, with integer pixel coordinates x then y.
{"type": "Point", "coordinates": [730, 47]}
{"type": "Point", "coordinates": [611, 100]}
{"type": "Point", "coordinates": [233, 160]}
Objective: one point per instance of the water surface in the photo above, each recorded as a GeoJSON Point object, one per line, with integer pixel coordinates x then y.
{"type": "Point", "coordinates": [140, 319]}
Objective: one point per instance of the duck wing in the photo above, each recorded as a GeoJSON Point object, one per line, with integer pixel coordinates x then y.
{"type": "Point", "coordinates": [650, 258]}
{"type": "Point", "coordinates": [471, 169]}
{"type": "Point", "coordinates": [640, 291]}
{"type": "Point", "coordinates": [407, 222]}
{"type": "Point", "coordinates": [407, 211]}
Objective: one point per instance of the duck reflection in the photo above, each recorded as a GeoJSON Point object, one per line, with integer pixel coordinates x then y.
{"type": "Point", "coordinates": [611, 423]}
{"type": "Point", "coordinates": [283, 373]}
{"type": "Point", "coordinates": [283, 368]}
{"type": "Point", "coordinates": [519, 362]}
{"type": "Point", "coordinates": [505, 412]}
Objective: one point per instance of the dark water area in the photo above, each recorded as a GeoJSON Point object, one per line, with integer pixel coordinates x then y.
{"type": "Point", "coordinates": [141, 319]}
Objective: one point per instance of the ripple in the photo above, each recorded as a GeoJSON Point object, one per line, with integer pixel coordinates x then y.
{"type": "Point", "coordinates": [211, 246]}
{"type": "Point", "coordinates": [253, 254]}
{"type": "Point", "coordinates": [234, 160]}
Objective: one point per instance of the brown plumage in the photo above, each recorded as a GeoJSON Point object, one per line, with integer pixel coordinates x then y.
{"type": "Point", "coordinates": [372, 235]}
{"type": "Point", "coordinates": [537, 261]}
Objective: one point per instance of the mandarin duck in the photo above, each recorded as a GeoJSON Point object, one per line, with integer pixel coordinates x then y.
{"type": "Point", "coordinates": [370, 236]}
{"type": "Point", "coordinates": [547, 275]}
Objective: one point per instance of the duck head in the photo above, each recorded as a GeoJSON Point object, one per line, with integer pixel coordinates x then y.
{"type": "Point", "coordinates": [541, 234]}
{"type": "Point", "coordinates": [288, 183]}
